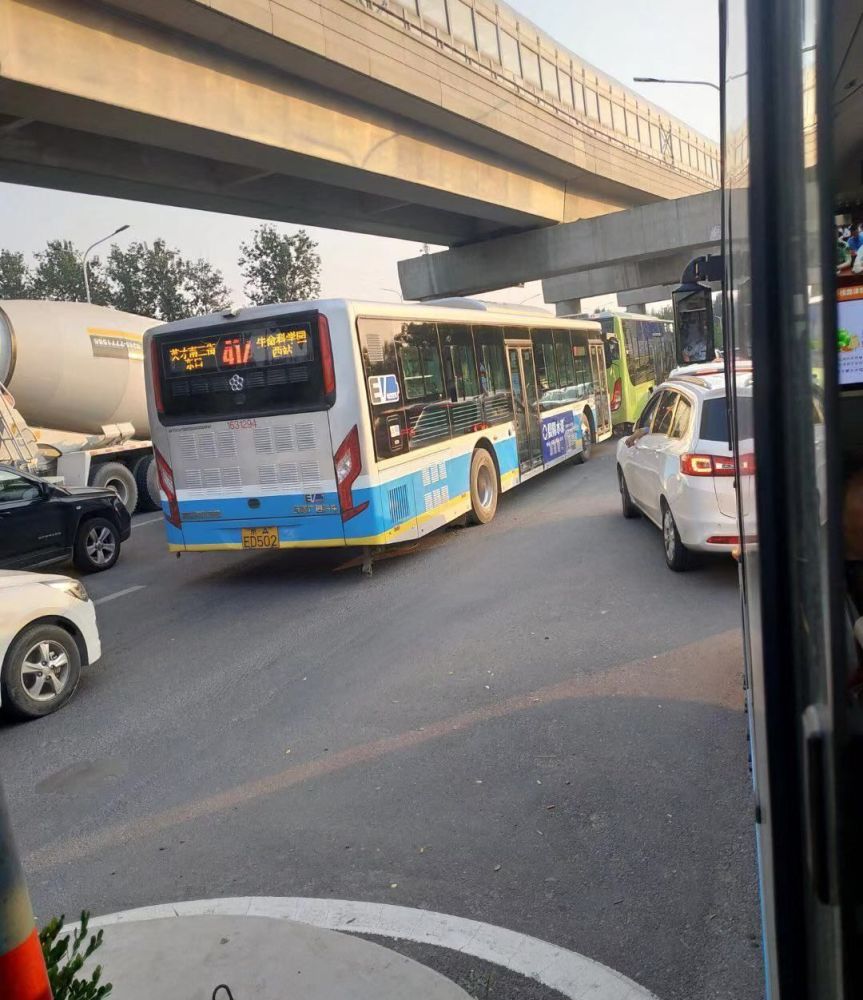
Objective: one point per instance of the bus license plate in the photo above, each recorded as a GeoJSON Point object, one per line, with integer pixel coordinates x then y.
{"type": "Point", "coordinates": [260, 538]}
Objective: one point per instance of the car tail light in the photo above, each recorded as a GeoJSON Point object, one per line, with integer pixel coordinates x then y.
{"type": "Point", "coordinates": [166, 481]}
{"type": "Point", "coordinates": [747, 464]}
{"type": "Point", "coordinates": [696, 465]}
{"type": "Point", "coordinates": [156, 375]}
{"type": "Point", "coordinates": [723, 540]}
{"type": "Point", "coordinates": [707, 465]}
{"type": "Point", "coordinates": [616, 394]}
{"type": "Point", "coordinates": [348, 463]}
{"type": "Point", "coordinates": [326, 347]}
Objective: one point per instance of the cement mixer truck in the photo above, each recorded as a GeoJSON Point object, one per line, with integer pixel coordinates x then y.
{"type": "Point", "coordinates": [72, 403]}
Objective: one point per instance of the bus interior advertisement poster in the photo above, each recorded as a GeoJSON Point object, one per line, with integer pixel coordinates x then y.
{"type": "Point", "coordinates": [259, 348]}
{"type": "Point", "coordinates": [849, 314]}
{"type": "Point", "coordinates": [560, 436]}
{"type": "Point", "coordinates": [115, 344]}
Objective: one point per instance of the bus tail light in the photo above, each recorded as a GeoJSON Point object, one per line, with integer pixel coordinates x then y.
{"type": "Point", "coordinates": [156, 375]}
{"type": "Point", "coordinates": [349, 465]}
{"type": "Point", "coordinates": [616, 394]}
{"type": "Point", "coordinates": [326, 345]}
{"type": "Point", "coordinates": [166, 481]}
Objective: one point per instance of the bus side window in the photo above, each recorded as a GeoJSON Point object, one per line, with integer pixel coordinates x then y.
{"type": "Point", "coordinates": [384, 391]}
{"type": "Point", "coordinates": [426, 407]}
{"type": "Point", "coordinates": [565, 373]}
{"type": "Point", "coordinates": [462, 377]}
{"type": "Point", "coordinates": [581, 364]}
{"type": "Point", "coordinates": [543, 353]}
{"type": "Point", "coordinates": [493, 374]}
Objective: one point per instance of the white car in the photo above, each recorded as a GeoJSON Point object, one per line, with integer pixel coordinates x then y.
{"type": "Point", "coordinates": [47, 633]}
{"type": "Point", "coordinates": [677, 469]}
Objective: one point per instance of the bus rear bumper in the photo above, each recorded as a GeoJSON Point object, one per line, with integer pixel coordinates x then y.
{"type": "Point", "coordinates": [313, 532]}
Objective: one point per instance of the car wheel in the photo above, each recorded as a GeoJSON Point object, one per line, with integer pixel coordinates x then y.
{"type": "Point", "coordinates": [676, 553]}
{"type": "Point", "coordinates": [41, 672]}
{"type": "Point", "coordinates": [483, 487]}
{"type": "Point", "coordinates": [586, 441]}
{"type": "Point", "coordinates": [115, 476]}
{"type": "Point", "coordinates": [627, 506]}
{"type": "Point", "coordinates": [97, 545]}
{"type": "Point", "coordinates": [147, 483]}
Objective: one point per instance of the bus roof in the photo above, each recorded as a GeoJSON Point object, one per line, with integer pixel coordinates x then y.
{"type": "Point", "coordinates": [613, 314]}
{"type": "Point", "coordinates": [467, 310]}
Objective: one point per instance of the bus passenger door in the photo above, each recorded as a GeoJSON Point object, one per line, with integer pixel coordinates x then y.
{"type": "Point", "coordinates": [527, 431]}
{"type": "Point", "coordinates": [600, 390]}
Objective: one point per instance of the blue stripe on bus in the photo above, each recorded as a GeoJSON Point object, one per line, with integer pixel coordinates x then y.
{"type": "Point", "coordinates": [395, 503]}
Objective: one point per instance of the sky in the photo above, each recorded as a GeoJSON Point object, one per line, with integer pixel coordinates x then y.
{"type": "Point", "coordinates": [665, 38]}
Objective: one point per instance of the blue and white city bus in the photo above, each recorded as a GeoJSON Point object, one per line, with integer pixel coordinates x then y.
{"type": "Point", "coordinates": [343, 423]}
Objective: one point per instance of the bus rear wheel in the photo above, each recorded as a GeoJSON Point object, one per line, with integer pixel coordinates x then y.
{"type": "Point", "coordinates": [586, 440]}
{"type": "Point", "coordinates": [484, 490]}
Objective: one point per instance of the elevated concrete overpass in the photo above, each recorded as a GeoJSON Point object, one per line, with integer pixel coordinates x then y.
{"type": "Point", "coordinates": [632, 249]}
{"type": "Point", "coordinates": [445, 121]}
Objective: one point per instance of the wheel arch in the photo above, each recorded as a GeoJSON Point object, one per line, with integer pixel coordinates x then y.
{"type": "Point", "coordinates": [485, 443]}
{"type": "Point", "coordinates": [61, 622]}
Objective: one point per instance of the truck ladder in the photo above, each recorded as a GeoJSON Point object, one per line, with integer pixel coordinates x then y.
{"type": "Point", "coordinates": [18, 445]}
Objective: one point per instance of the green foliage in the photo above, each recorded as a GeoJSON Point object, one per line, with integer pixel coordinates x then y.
{"type": "Point", "coordinates": [158, 281]}
{"type": "Point", "coordinates": [15, 277]}
{"type": "Point", "coordinates": [280, 268]}
{"type": "Point", "coordinates": [59, 275]}
{"type": "Point", "coordinates": [64, 960]}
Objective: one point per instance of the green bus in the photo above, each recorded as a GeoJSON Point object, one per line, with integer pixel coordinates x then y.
{"type": "Point", "coordinates": [639, 353]}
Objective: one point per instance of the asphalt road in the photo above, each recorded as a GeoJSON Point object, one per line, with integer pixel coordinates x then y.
{"type": "Point", "coordinates": [532, 723]}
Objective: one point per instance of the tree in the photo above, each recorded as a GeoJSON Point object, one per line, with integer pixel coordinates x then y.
{"type": "Point", "coordinates": [15, 277]}
{"type": "Point", "coordinates": [205, 288]}
{"type": "Point", "coordinates": [59, 275]}
{"type": "Point", "coordinates": [158, 281]}
{"type": "Point", "coordinates": [280, 268]}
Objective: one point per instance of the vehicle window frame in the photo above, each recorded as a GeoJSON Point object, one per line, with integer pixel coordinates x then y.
{"type": "Point", "coordinates": [14, 475]}
{"type": "Point", "coordinates": [649, 410]}
{"type": "Point", "coordinates": [660, 406]}
{"type": "Point", "coordinates": [690, 403]}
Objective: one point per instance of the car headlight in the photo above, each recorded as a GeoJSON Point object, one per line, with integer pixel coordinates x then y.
{"type": "Point", "coordinates": [72, 587]}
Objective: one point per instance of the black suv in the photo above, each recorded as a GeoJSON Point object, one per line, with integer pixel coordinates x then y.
{"type": "Point", "coordinates": [41, 524]}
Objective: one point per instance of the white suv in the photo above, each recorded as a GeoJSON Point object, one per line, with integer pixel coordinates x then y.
{"type": "Point", "coordinates": [677, 469]}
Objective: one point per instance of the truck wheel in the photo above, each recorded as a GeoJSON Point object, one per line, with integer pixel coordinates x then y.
{"type": "Point", "coordinates": [146, 479]}
{"type": "Point", "coordinates": [97, 545]}
{"type": "Point", "coordinates": [41, 672]}
{"type": "Point", "coordinates": [483, 487]}
{"type": "Point", "coordinates": [115, 476]}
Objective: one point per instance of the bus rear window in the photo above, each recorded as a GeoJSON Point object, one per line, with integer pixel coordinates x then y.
{"type": "Point", "coordinates": [714, 420]}
{"type": "Point", "coordinates": [243, 370]}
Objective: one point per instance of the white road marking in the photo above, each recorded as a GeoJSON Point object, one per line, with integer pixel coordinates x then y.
{"type": "Point", "coordinates": [568, 972]}
{"type": "Point", "coordinates": [150, 520]}
{"type": "Point", "coordinates": [119, 593]}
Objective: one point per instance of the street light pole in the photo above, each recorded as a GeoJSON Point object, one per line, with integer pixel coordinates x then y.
{"type": "Point", "coordinates": [692, 83]}
{"type": "Point", "coordinates": [87, 254]}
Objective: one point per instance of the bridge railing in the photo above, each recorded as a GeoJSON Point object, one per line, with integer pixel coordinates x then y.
{"type": "Point", "coordinates": [555, 80]}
